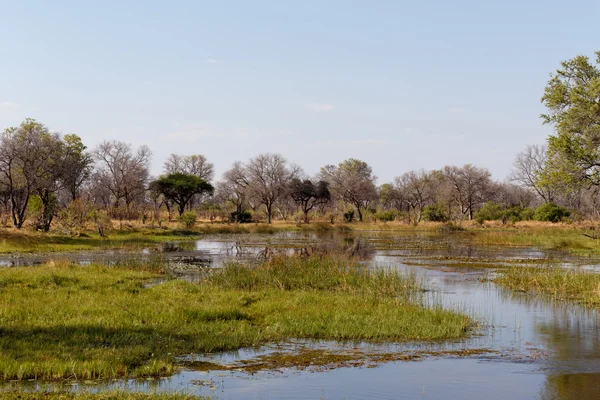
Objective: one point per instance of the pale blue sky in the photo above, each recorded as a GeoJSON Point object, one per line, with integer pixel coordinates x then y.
{"type": "Point", "coordinates": [400, 84]}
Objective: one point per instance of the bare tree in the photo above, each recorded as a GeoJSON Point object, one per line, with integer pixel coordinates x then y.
{"type": "Point", "coordinates": [470, 186]}
{"type": "Point", "coordinates": [124, 172]}
{"type": "Point", "coordinates": [417, 189]}
{"type": "Point", "coordinates": [353, 182]}
{"type": "Point", "coordinates": [195, 164]}
{"type": "Point", "coordinates": [233, 188]}
{"type": "Point", "coordinates": [269, 176]}
{"type": "Point", "coordinates": [528, 168]}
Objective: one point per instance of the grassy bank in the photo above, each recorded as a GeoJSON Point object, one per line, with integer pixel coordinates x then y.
{"type": "Point", "coordinates": [97, 322]}
{"type": "Point", "coordinates": [111, 395]}
{"type": "Point", "coordinates": [559, 283]}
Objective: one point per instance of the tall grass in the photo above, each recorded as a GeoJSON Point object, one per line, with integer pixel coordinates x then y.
{"type": "Point", "coordinates": [559, 283]}
{"type": "Point", "coordinates": [82, 395]}
{"type": "Point", "coordinates": [67, 321]}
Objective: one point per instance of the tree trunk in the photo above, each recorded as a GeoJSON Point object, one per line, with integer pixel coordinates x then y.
{"type": "Point", "coordinates": [268, 214]}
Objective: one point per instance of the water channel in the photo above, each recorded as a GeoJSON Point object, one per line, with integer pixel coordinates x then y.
{"type": "Point", "coordinates": [539, 349]}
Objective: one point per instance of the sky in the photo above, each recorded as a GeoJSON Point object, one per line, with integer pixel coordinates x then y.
{"type": "Point", "coordinates": [402, 85]}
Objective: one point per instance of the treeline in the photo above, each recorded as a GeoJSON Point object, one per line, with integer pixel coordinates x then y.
{"type": "Point", "coordinates": [46, 177]}
{"type": "Point", "coordinates": [44, 174]}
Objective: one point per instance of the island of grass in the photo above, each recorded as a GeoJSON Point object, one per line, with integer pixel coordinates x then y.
{"type": "Point", "coordinates": [558, 283]}
{"type": "Point", "coordinates": [66, 321]}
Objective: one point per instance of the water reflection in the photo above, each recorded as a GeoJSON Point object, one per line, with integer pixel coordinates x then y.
{"type": "Point", "coordinates": [548, 350]}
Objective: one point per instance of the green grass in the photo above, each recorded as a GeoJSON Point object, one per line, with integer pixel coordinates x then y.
{"type": "Point", "coordinates": [567, 239]}
{"type": "Point", "coordinates": [559, 283]}
{"type": "Point", "coordinates": [96, 322]}
{"type": "Point", "coordinates": [110, 395]}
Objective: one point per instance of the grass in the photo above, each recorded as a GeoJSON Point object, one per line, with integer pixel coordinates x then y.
{"type": "Point", "coordinates": [560, 283]}
{"type": "Point", "coordinates": [558, 237]}
{"type": "Point", "coordinates": [66, 321]}
{"type": "Point", "coordinates": [81, 395]}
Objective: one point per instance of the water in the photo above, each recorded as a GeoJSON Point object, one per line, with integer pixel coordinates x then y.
{"type": "Point", "coordinates": [541, 349]}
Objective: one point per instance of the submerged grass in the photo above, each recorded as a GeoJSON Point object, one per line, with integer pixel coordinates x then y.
{"type": "Point", "coordinates": [66, 321]}
{"type": "Point", "coordinates": [560, 283]}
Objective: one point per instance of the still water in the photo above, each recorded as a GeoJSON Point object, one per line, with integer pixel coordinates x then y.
{"type": "Point", "coordinates": [539, 349]}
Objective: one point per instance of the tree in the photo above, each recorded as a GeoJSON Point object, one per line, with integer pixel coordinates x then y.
{"type": "Point", "coordinates": [528, 171]}
{"type": "Point", "coordinates": [180, 188]}
{"type": "Point", "coordinates": [572, 99]}
{"type": "Point", "coordinates": [417, 189]}
{"type": "Point", "coordinates": [77, 165]}
{"type": "Point", "coordinates": [234, 189]}
{"type": "Point", "coordinates": [30, 164]}
{"type": "Point", "coordinates": [309, 195]}
{"type": "Point", "coordinates": [470, 186]}
{"type": "Point", "coordinates": [195, 164]}
{"type": "Point", "coordinates": [122, 171]}
{"type": "Point", "coordinates": [352, 181]}
{"type": "Point", "coordinates": [268, 179]}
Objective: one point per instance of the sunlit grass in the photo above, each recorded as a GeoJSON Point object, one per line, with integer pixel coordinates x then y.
{"type": "Point", "coordinates": [559, 283]}
{"type": "Point", "coordinates": [96, 322]}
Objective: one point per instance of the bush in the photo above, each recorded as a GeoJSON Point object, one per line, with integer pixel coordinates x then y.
{"type": "Point", "coordinates": [188, 219]}
{"type": "Point", "coordinates": [72, 219]}
{"type": "Point", "coordinates": [435, 213]}
{"type": "Point", "coordinates": [490, 211]}
{"type": "Point", "coordinates": [349, 216]}
{"type": "Point", "coordinates": [516, 214]}
{"type": "Point", "coordinates": [241, 217]}
{"type": "Point", "coordinates": [551, 212]}
{"type": "Point", "coordinates": [386, 216]}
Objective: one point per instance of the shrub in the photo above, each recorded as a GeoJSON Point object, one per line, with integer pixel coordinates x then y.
{"type": "Point", "coordinates": [188, 219]}
{"type": "Point", "coordinates": [490, 211]}
{"type": "Point", "coordinates": [241, 217]}
{"type": "Point", "coordinates": [435, 213]}
{"type": "Point", "coordinates": [386, 215]}
{"type": "Point", "coordinates": [551, 212]}
{"type": "Point", "coordinates": [349, 216]}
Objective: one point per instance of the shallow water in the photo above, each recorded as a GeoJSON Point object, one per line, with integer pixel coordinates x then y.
{"type": "Point", "coordinates": [541, 349]}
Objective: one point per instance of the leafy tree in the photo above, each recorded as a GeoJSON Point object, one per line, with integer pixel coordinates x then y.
{"type": "Point", "coordinates": [180, 188]}
{"type": "Point", "coordinates": [572, 98]}
{"type": "Point", "coordinates": [30, 164]}
{"type": "Point", "coordinates": [309, 195]}
{"type": "Point", "coordinates": [77, 165]}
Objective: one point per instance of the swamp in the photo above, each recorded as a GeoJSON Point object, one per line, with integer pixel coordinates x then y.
{"type": "Point", "coordinates": [297, 313]}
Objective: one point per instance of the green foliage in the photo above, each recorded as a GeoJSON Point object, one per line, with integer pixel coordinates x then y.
{"type": "Point", "coordinates": [102, 322]}
{"type": "Point", "coordinates": [435, 213]}
{"type": "Point", "coordinates": [188, 219]}
{"type": "Point", "coordinates": [349, 216]}
{"type": "Point", "coordinates": [386, 216]}
{"type": "Point", "coordinates": [571, 97]}
{"type": "Point", "coordinates": [241, 217]}
{"type": "Point", "coordinates": [551, 212]}
{"type": "Point", "coordinates": [180, 188]}
{"type": "Point", "coordinates": [490, 211]}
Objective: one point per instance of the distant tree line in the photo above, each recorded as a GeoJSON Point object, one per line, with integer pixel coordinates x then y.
{"type": "Point", "coordinates": [44, 174]}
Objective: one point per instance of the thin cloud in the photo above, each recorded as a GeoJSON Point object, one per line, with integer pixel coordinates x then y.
{"type": "Point", "coordinates": [354, 143]}
{"type": "Point", "coordinates": [319, 107]}
{"type": "Point", "coordinates": [211, 61]}
{"type": "Point", "coordinates": [458, 110]}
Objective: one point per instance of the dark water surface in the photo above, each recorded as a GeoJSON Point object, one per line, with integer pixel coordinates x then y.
{"type": "Point", "coordinates": [541, 349]}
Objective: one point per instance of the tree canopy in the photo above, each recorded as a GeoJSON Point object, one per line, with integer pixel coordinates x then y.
{"type": "Point", "coordinates": [180, 188]}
